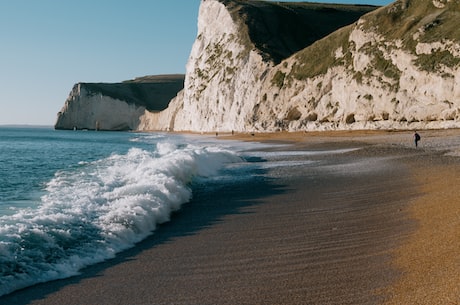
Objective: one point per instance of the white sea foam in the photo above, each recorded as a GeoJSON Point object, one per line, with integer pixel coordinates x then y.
{"type": "Point", "coordinates": [93, 209]}
{"type": "Point", "coordinates": [297, 153]}
{"type": "Point", "coordinates": [99, 208]}
{"type": "Point", "coordinates": [275, 164]}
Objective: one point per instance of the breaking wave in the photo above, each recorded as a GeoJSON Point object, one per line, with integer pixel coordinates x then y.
{"type": "Point", "coordinates": [93, 210]}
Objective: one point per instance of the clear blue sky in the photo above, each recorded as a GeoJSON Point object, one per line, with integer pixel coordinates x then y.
{"type": "Point", "coordinates": [47, 46]}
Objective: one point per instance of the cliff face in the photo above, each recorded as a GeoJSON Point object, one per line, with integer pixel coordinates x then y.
{"type": "Point", "coordinates": [397, 67]}
{"type": "Point", "coordinates": [249, 69]}
{"type": "Point", "coordinates": [117, 106]}
{"type": "Point", "coordinates": [270, 66]}
{"type": "Point", "coordinates": [238, 44]}
{"type": "Point", "coordinates": [87, 110]}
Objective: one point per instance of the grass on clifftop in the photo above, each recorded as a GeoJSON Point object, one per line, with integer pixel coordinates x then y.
{"type": "Point", "coordinates": [280, 29]}
{"type": "Point", "coordinates": [320, 56]}
{"type": "Point", "coordinates": [152, 92]}
{"type": "Point", "coordinates": [419, 21]}
{"type": "Point", "coordinates": [404, 18]}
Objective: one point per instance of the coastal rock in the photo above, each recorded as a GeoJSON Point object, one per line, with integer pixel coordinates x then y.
{"type": "Point", "coordinates": [272, 66]}
{"type": "Point", "coordinates": [117, 106]}
{"type": "Point", "coordinates": [390, 70]}
{"type": "Point", "coordinates": [238, 44]}
{"type": "Point", "coordinates": [397, 67]}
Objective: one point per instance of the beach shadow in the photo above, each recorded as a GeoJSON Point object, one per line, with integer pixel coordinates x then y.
{"type": "Point", "coordinates": [211, 202]}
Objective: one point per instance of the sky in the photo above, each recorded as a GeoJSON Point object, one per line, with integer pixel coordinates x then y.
{"type": "Point", "coordinates": [47, 46]}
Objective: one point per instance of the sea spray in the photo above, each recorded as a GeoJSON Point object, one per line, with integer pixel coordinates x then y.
{"type": "Point", "coordinates": [92, 210]}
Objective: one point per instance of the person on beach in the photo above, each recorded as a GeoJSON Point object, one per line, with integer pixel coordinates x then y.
{"type": "Point", "coordinates": [416, 138]}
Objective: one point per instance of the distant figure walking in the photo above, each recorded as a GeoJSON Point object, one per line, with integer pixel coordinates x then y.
{"type": "Point", "coordinates": [416, 138]}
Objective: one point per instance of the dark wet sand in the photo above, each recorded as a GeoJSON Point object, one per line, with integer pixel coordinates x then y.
{"type": "Point", "coordinates": [329, 233]}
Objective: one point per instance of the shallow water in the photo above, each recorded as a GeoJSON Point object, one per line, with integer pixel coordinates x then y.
{"type": "Point", "coordinates": [71, 199]}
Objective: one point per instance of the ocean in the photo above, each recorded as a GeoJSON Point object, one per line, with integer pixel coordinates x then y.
{"type": "Point", "coordinates": [70, 199]}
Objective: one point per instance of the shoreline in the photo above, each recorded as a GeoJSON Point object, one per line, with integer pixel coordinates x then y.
{"type": "Point", "coordinates": [315, 251]}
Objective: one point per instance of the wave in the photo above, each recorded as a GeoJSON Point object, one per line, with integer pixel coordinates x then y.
{"type": "Point", "coordinates": [96, 209]}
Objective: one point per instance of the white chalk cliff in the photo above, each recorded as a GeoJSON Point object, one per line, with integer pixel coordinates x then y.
{"type": "Point", "coordinates": [397, 67]}
{"type": "Point", "coordinates": [85, 110]}
{"type": "Point", "coordinates": [117, 106]}
{"type": "Point", "coordinates": [270, 66]}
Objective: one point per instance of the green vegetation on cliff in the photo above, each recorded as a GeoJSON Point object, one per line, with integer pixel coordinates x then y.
{"type": "Point", "coordinates": [409, 21]}
{"type": "Point", "coordinates": [152, 92]}
{"type": "Point", "coordinates": [420, 21]}
{"type": "Point", "coordinates": [280, 29]}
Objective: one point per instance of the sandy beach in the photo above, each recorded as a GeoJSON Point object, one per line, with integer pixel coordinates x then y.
{"type": "Point", "coordinates": [374, 225]}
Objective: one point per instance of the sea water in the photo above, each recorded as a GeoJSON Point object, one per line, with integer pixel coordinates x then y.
{"type": "Point", "coordinates": [69, 199]}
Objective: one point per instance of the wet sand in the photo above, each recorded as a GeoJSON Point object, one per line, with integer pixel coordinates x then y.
{"type": "Point", "coordinates": [340, 231]}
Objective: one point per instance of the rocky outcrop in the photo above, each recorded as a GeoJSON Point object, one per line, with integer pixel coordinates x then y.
{"type": "Point", "coordinates": [117, 106]}
{"type": "Point", "coordinates": [270, 66]}
{"type": "Point", "coordinates": [238, 44]}
{"type": "Point", "coordinates": [396, 67]}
